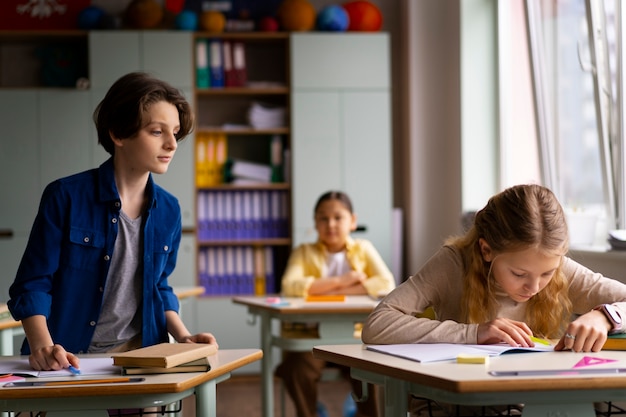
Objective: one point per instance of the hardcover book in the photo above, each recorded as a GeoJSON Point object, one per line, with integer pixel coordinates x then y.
{"type": "Point", "coordinates": [615, 342]}
{"type": "Point", "coordinates": [199, 365]}
{"type": "Point", "coordinates": [164, 355]}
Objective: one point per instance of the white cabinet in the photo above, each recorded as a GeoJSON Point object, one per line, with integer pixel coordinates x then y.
{"type": "Point", "coordinates": [341, 130]}
{"type": "Point", "coordinates": [42, 141]}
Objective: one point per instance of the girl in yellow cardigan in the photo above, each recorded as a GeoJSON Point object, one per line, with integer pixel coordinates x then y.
{"type": "Point", "coordinates": [335, 264]}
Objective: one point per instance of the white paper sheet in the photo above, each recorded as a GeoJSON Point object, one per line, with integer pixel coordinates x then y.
{"type": "Point", "coordinates": [431, 352]}
{"type": "Point", "coordinates": [87, 366]}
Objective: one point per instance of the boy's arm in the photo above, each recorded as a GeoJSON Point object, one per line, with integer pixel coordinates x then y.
{"type": "Point", "coordinates": [45, 355]}
{"type": "Point", "coordinates": [179, 332]}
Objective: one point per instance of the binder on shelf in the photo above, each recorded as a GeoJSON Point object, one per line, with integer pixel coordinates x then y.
{"type": "Point", "coordinates": [202, 269]}
{"type": "Point", "coordinates": [275, 214]}
{"type": "Point", "coordinates": [248, 226]}
{"type": "Point", "coordinates": [212, 285]}
{"type": "Point", "coordinates": [238, 268]}
{"type": "Point", "coordinates": [238, 215]}
{"type": "Point", "coordinates": [249, 269]}
{"type": "Point", "coordinates": [230, 279]}
{"type": "Point", "coordinates": [202, 215]}
{"type": "Point", "coordinates": [276, 158]}
{"type": "Point", "coordinates": [229, 70]}
{"type": "Point", "coordinates": [239, 64]}
{"type": "Point", "coordinates": [220, 270]}
{"type": "Point", "coordinates": [216, 64]}
{"type": "Point", "coordinates": [202, 64]}
{"type": "Point", "coordinates": [270, 281]}
{"type": "Point", "coordinates": [203, 174]}
{"type": "Point", "coordinates": [265, 221]}
{"type": "Point", "coordinates": [259, 271]}
{"type": "Point", "coordinates": [221, 155]}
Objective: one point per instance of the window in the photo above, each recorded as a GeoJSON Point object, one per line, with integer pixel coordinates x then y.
{"type": "Point", "coordinates": [572, 79]}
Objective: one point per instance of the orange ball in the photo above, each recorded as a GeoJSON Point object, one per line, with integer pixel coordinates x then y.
{"type": "Point", "coordinates": [296, 15]}
{"type": "Point", "coordinates": [144, 14]}
{"type": "Point", "coordinates": [364, 16]}
{"type": "Point", "coordinates": [213, 21]}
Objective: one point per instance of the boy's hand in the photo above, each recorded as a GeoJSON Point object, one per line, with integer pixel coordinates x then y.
{"type": "Point", "coordinates": [52, 358]}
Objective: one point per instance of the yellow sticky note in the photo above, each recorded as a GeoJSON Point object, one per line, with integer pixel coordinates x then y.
{"type": "Point", "coordinates": [472, 358]}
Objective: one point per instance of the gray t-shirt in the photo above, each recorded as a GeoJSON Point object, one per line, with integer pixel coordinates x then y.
{"type": "Point", "coordinates": [120, 318]}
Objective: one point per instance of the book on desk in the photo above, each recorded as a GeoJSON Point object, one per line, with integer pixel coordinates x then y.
{"type": "Point", "coordinates": [615, 342]}
{"type": "Point", "coordinates": [165, 355]}
{"type": "Point", "coordinates": [198, 365]}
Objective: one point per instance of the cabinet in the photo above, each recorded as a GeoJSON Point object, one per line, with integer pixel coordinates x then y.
{"type": "Point", "coordinates": [243, 227]}
{"type": "Point", "coordinates": [341, 130]}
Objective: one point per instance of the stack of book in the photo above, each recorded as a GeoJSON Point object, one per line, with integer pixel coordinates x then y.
{"type": "Point", "coordinates": [166, 358]}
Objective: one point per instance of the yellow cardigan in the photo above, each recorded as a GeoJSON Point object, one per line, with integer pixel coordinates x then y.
{"type": "Point", "coordinates": [307, 261]}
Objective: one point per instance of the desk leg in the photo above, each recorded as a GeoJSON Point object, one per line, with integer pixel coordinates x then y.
{"type": "Point", "coordinates": [6, 342]}
{"type": "Point", "coordinates": [397, 398]}
{"type": "Point", "coordinates": [206, 397]}
{"type": "Point", "coordinates": [267, 371]}
{"type": "Point", "coordinates": [559, 410]}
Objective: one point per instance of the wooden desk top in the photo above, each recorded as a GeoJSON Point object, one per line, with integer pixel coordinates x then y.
{"type": "Point", "coordinates": [187, 292]}
{"type": "Point", "coordinates": [358, 304]}
{"type": "Point", "coordinates": [224, 361]}
{"type": "Point", "coordinates": [474, 378]}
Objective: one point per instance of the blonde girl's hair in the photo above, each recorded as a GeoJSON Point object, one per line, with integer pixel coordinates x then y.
{"type": "Point", "coordinates": [518, 218]}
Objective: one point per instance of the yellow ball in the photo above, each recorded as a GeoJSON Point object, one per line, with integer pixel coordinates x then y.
{"type": "Point", "coordinates": [213, 21]}
{"type": "Point", "coordinates": [296, 15]}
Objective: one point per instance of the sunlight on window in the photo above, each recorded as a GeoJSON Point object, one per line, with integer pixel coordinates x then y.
{"type": "Point", "coordinates": [553, 71]}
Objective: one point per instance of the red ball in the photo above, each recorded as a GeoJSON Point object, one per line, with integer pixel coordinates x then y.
{"type": "Point", "coordinates": [364, 16]}
{"type": "Point", "coordinates": [268, 24]}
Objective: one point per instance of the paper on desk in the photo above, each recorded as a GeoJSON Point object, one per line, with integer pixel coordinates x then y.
{"type": "Point", "coordinates": [88, 366]}
{"type": "Point", "coordinates": [431, 352]}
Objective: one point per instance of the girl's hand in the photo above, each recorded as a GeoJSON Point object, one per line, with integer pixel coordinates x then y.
{"type": "Point", "coordinates": [351, 278]}
{"type": "Point", "coordinates": [200, 338]}
{"type": "Point", "coordinates": [585, 334]}
{"type": "Point", "coordinates": [52, 358]}
{"type": "Point", "coordinates": [502, 330]}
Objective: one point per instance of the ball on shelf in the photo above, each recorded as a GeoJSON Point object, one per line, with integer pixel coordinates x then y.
{"type": "Point", "coordinates": [364, 16]}
{"type": "Point", "coordinates": [296, 15]}
{"type": "Point", "coordinates": [186, 20]}
{"type": "Point", "coordinates": [144, 14]}
{"type": "Point", "coordinates": [90, 17]}
{"type": "Point", "coordinates": [213, 21]}
{"type": "Point", "coordinates": [268, 24]}
{"type": "Point", "coordinates": [332, 18]}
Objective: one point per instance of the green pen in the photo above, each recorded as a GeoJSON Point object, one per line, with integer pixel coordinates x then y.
{"type": "Point", "coordinates": [539, 340]}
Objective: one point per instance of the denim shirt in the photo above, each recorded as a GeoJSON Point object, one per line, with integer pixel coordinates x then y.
{"type": "Point", "coordinates": [63, 272]}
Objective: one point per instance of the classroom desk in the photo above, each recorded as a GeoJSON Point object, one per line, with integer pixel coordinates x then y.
{"type": "Point", "coordinates": [470, 384]}
{"type": "Point", "coordinates": [336, 326]}
{"type": "Point", "coordinates": [156, 390]}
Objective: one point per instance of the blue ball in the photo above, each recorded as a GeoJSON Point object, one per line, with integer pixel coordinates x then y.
{"type": "Point", "coordinates": [90, 17]}
{"type": "Point", "coordinates": [333, 18]}
{"type": "Point", "coordinates": [187, 20]}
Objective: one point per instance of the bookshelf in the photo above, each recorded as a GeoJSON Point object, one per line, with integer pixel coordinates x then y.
{"type": "Point", "coordinates": [243, 227]}
{"type": "Point", "coordinates": [24, 54]}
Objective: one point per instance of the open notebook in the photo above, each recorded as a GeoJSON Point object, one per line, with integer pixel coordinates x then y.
{"type": "Point", "coordinates": [432, 352]}
{"type": "Point", "coordinates": [88, 366]}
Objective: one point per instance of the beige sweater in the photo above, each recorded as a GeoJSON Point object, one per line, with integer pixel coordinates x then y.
{"type": "Point", "coordinates": [439, 285]}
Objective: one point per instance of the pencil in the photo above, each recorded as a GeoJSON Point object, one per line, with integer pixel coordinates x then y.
{"type": "Point", "coordinates": [86, 381]}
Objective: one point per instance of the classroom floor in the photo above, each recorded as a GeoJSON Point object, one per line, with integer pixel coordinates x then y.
{"type": "Point", "coordinates": [241, 396]}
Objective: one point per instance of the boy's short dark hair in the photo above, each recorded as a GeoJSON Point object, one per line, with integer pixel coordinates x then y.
{"type": "Point", "coordinates": [121, 112]}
